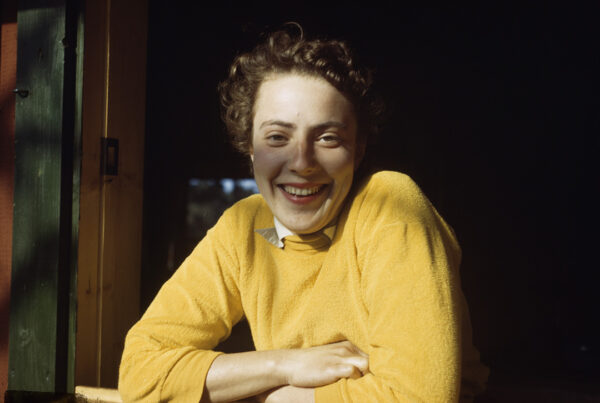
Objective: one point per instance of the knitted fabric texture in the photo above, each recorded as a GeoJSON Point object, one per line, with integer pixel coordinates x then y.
{"type": "Point", "coordinates": [388, 282]}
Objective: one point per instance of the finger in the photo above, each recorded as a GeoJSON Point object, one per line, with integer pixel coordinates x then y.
{"type": "Point", "coordinates": [344, 347]}
{"type": "Point", "coordinates": [345, 370]}
{"type": "Point", "coordinates": [355, 373]}
{"type": "Point", "coordinates": [362, 352]}
{"type": "Point", "coordinates": [353, 347]}
{"type": "Point", "coordinates": [348, 371]}
{"type": "Point", "coordinates": [359, 362]}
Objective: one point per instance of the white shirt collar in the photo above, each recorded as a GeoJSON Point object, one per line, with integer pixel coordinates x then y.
{"type": "Point", "coordinates": [275, 235]}
{"type": "Point", "coordinates": [282, 232]}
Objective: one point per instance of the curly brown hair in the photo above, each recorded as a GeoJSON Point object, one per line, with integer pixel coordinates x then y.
{"type": "Point", "coordinates": [283, 53]}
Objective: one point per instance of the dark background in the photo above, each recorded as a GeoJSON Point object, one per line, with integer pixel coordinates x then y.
{"type": "Point", "coordinates": [492, 111]}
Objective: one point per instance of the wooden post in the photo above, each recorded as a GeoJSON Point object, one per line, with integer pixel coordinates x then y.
{"type": "Point", "coordinates": [8, 82]}
{"type": "Point", "coordinates": [110, 234]}
{"type": "Point", "coordinates": [45, 198]}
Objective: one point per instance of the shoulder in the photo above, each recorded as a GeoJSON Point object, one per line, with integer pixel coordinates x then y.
{"type": "Point", "coordinates": [390, 206]}
{"type": "Point", "coordinates": [393, 182]}
{"type": "Point", "coordinates": [251, 213]}
{"type": "Point", "coordinates": [392, 195]}
{"type": "Point", "coordinates": [235, 229]}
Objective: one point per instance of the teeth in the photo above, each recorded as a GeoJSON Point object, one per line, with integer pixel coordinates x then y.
{"type": "Point", "coordinates": [301, 192]}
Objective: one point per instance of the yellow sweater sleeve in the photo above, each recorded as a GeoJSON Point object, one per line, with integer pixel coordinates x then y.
{"type": "Point", "coordinates": [409, 261]}
{"type": "Point", "coordinates": [168, 352]}
{"type": "Point", "coordinates": [404, 268]}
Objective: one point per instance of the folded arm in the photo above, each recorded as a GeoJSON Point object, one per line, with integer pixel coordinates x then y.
{"type": "Point", "coordinates": [169, 353]}
{"type": "Point", "coordinates": [409, 260]}
{"type": "Point", "coordinates": [237, 376]}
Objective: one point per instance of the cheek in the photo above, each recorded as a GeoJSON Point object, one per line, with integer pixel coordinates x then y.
{"type": "Point", "coordinates": [340, 165]}
{"type": "Point", "coordinates": [267, 162]}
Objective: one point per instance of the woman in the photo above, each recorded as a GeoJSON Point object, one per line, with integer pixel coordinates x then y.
{"type": "Point", "coordinates": [351, 288]}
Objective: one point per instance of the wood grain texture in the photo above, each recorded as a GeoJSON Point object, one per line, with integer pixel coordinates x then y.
{"type": "Point", "coordinates": [8, 81]}
{"type": "Point", "coordinates": [88, 343]}
{"type": "Point", "coordinates": [42, 312]}
{"type": "Point", "coordinates": [124, 193]}
{"type": "Point", "coordinates": [34, 311]}
{"type": "Point", "coordinates": [111, 206]}
{"type": "Point", "coordinates": [78, 26]}
{"type": "Point", "coordinates": [97, 395]}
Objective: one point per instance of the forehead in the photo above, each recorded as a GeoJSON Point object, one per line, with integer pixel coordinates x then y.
{"type": "Point", "coordinates": [301, 97]}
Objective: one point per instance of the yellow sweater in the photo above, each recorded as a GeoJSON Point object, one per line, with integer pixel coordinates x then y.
{"type": "Point", "coordinates": [388, 282]}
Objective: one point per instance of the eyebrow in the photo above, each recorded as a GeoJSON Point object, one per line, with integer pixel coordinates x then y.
{"type": "Point", "coordinates": [320, 126]}
{"type": "Point", "coordinates": [330, 123]}
{"type": "Point", "coordinates": [277, 123]}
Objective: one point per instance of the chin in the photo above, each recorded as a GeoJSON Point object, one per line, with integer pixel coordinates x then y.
{"type": "Point", "coordinates": [306, 229]}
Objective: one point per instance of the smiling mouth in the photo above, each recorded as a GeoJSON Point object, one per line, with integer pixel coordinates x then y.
{"type": "Point", "coordinates": [302, 192]}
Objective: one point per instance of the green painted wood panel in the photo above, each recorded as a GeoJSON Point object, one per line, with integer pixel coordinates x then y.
{"type": "Point", "coordinates": [76, 38]}
{"type": "Point", "coordinates": [45, 220]}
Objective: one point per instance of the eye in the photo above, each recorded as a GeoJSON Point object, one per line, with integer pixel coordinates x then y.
{"type": "Point", "coordinates": [276, 139]}
{"type": "Point", "coordinates": [329, 140]}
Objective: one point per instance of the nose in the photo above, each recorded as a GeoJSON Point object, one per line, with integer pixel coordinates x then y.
{"type": "Point", "coordinates": [303, 161]}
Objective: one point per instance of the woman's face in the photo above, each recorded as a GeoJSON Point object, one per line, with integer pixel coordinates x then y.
{"type": "Point", "coordinates": [303, 149]}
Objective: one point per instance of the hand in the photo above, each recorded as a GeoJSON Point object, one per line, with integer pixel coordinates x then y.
{"type": "Point", "coordinates": [322, 365]}
{"type": "Point", "coordinates": [239, 375]}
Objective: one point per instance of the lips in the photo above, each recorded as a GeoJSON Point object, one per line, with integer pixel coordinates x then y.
{"type": "Point", "coordinates": [301, 193]}
{"type": "Point", "coordinates": [297, 191]}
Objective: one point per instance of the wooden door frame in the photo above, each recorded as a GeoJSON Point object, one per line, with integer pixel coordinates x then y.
{"type": "Point", "coordinates": [46, 196]}
{"type": "Point", "coordinates": [110, 227]}
{"type": "Point", "coordinates": [75, 295]}
{"type": "Point", "coordinates": [8, 82]}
